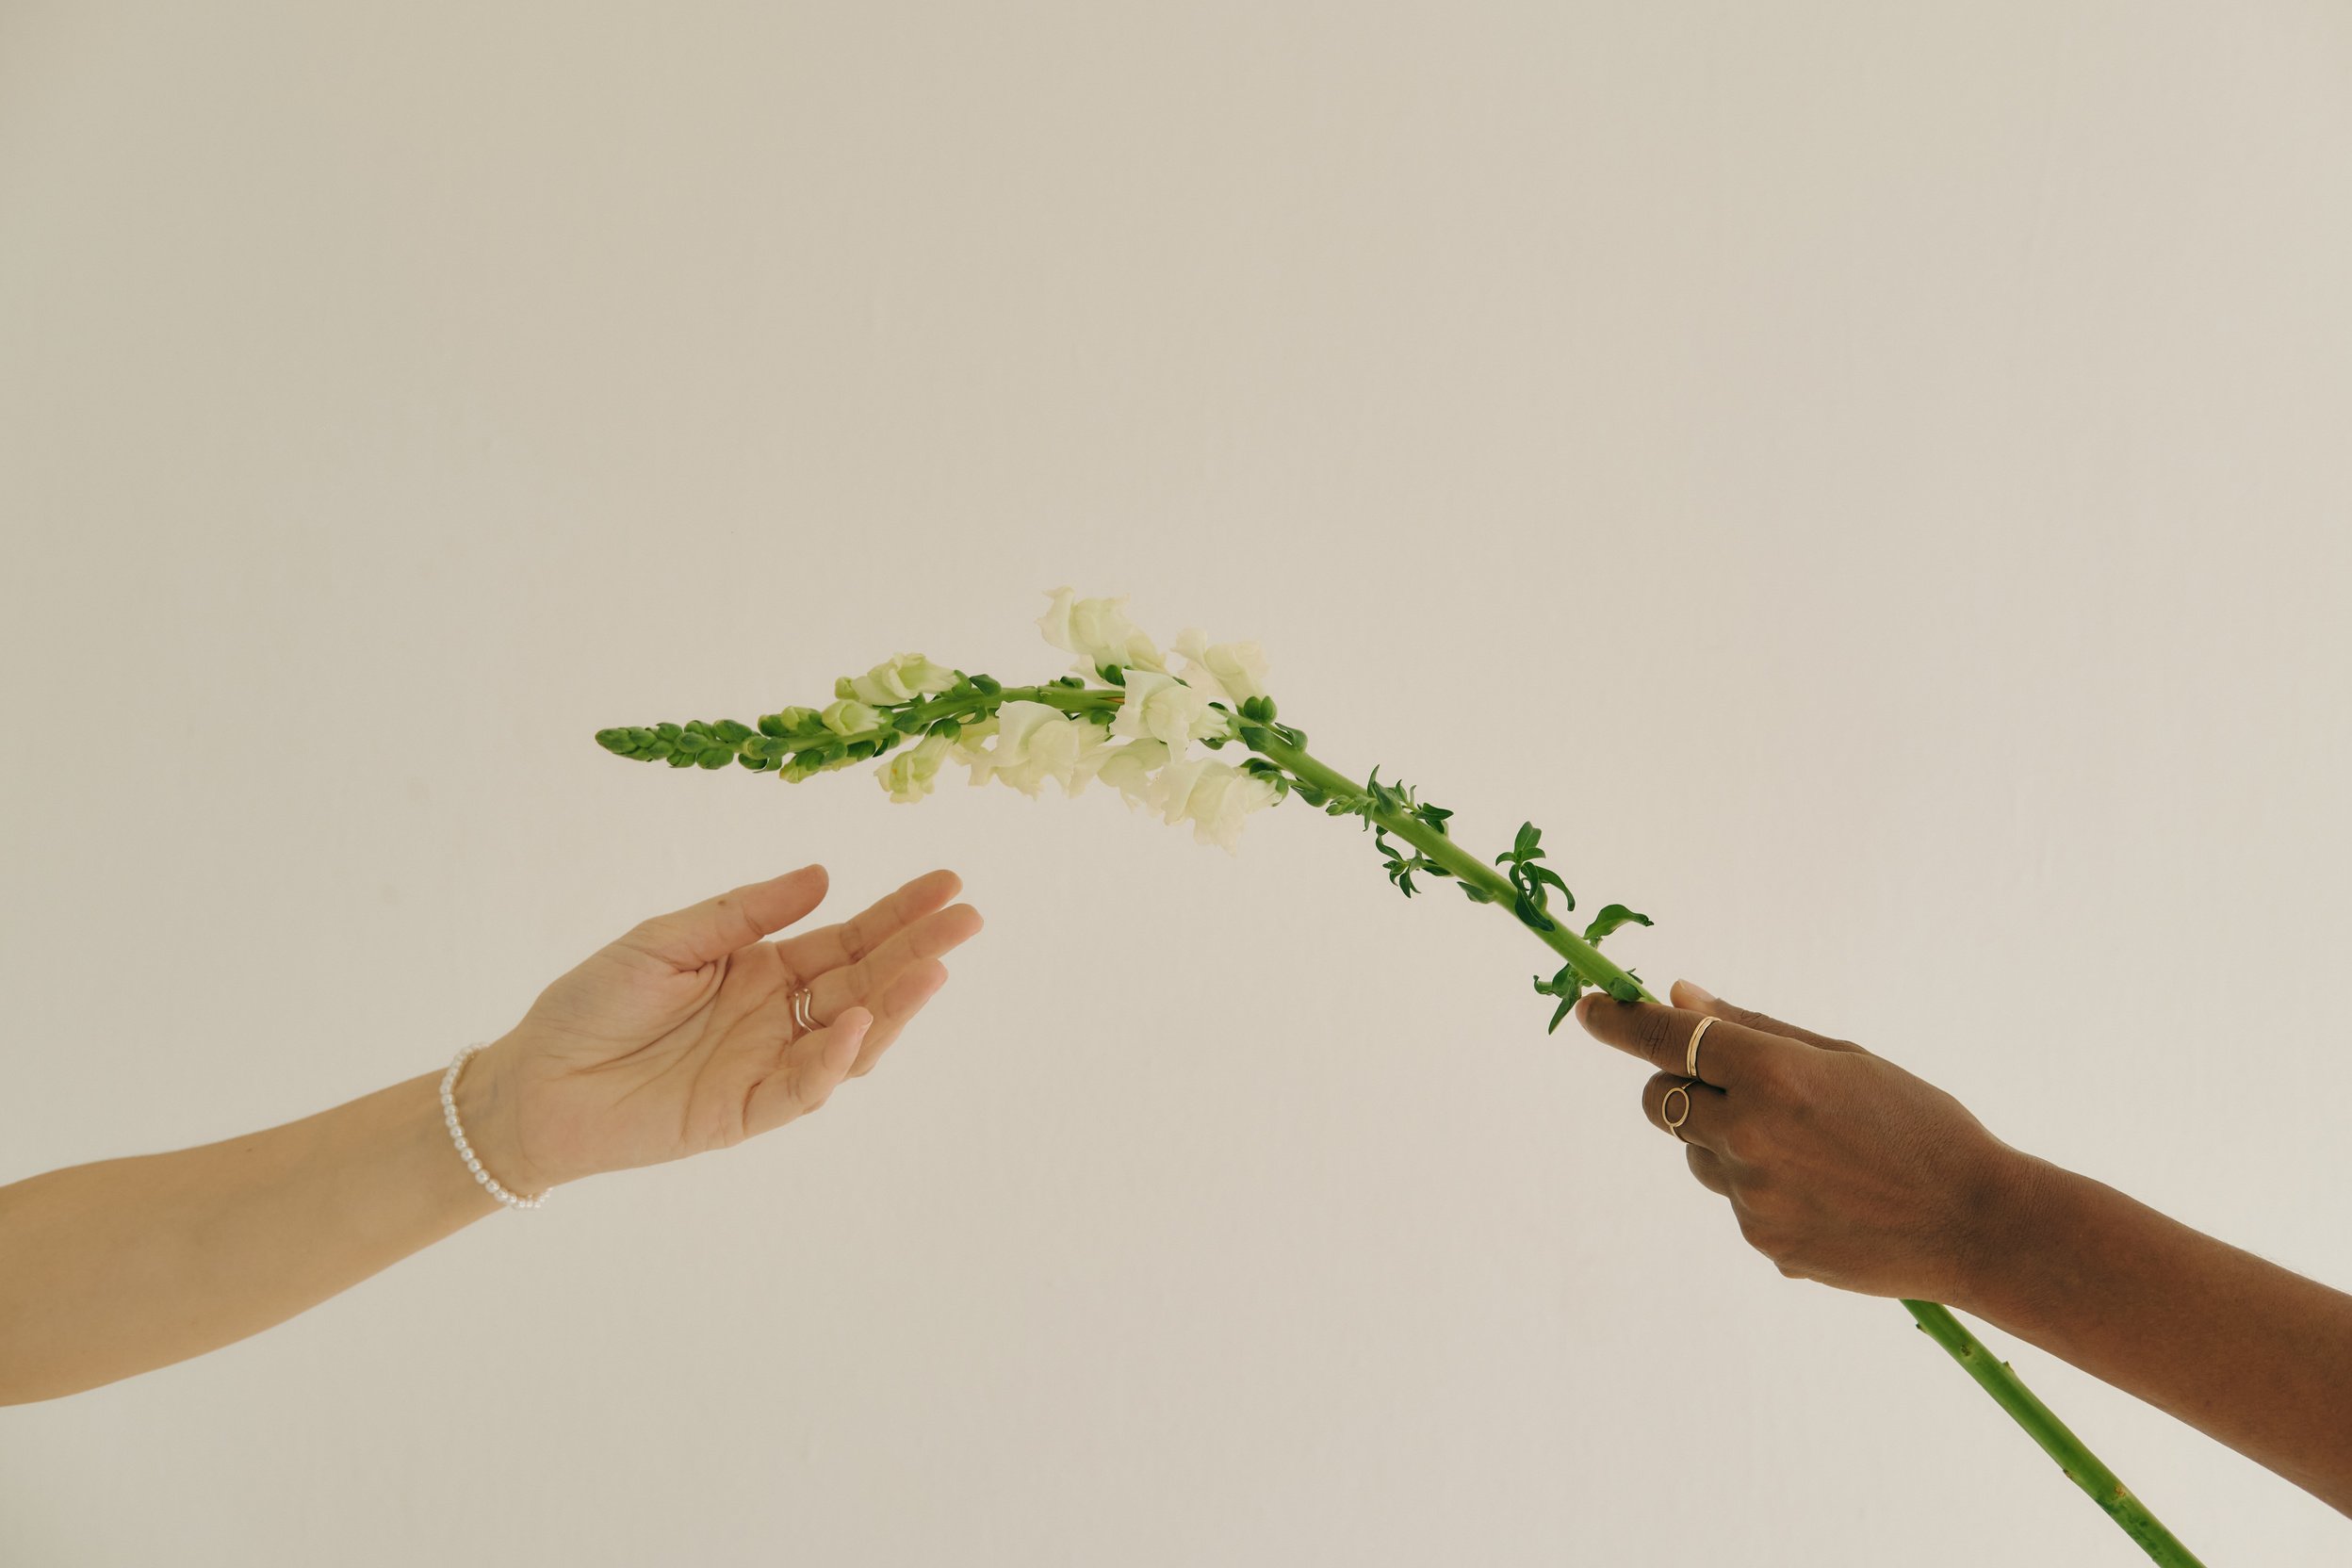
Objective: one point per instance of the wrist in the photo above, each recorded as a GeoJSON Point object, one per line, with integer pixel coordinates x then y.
{"type": "Point", "coordinates": [2014, 1264]}
{"type": "Point", "coordinates": [489, 1107]}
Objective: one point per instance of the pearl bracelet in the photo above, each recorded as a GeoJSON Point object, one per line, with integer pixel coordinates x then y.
{"type": "Point", "coordinates": [448, 1113]}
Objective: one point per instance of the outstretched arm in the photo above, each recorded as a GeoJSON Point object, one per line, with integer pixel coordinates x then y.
{"type": "Point", "coordinates": [1842, 1167]}
{"type": "Point", "coordinates": [677, 1038]}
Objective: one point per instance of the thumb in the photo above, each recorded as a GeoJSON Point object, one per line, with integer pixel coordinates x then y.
{"type": "Point", "coordinates": [702, 933]}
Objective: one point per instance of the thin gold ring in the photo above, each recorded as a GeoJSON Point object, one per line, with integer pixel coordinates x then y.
{"type": "Point", "coordinates": [1690, 1054]}
{"type": "Point", "coordinates": [1673, 1123]}
{"type": "Point", "coordinates": [801, 1015]}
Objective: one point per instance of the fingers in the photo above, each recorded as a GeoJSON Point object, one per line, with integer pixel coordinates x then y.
{"type": "Point", "coordinates": [1731, 1053]}
{"type": "Point", "coordinates": [808, 1070]}
{"type": "Point", "coordinates": [813, 953]}
{"type": "Point", "coordinates": [1707, 1167]}
{"type": "Point", "coordinates": [703, 933]}
{"type": "Point", "coordinates": [901, 998]}
{"type": "Point", "coordinates": [1685, 994]}
{"type": "Point", "coordinates": [1701, 1125]}
{"type": "Point", "coordinates": [932, 937]}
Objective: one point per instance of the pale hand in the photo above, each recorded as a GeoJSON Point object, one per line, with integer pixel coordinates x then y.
{"type": "Point", "coordinates": [678, 1037]}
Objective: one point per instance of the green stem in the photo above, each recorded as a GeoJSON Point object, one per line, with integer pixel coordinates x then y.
{"type": "Point", "coordinates": [1996, 1377]}
{"type": "Point", "coordinates": [2058, 1441]}
{"type": "Point", "coordinates": [1582, 956]}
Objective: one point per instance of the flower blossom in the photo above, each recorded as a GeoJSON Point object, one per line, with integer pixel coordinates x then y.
{"type": "Point", "coordinates": [848, 716]}
{"type": "Point", "coordinates": [1035, 742]}
{"type": "Point", "coordinates": [1129, 768]}
{"type": "Point", "coordinates": [1231, 672]}
{"type": "Point", "coordinates": [1098, 631]}
{"type": "Point", "coordinates": [894, 681]}
{"type": "Point", "coordinates": [909, 775]}
{"type": "Point", "coordinates": [1164, 709]}
{"type": "Point", "coordinates": [1214, 796]}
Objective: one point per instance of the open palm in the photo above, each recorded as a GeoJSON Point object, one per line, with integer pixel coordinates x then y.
{"type": "Point", "coordinates": [679, 1036]}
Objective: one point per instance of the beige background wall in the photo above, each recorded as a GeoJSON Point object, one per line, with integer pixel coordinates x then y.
{"type": "Point", "coordinates": [1870, 483]}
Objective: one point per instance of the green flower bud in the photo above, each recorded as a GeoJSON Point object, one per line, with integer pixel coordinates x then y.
{"type": "Point", "coordinates": [733, 730]}
{"type": "Point", "coordinates": [717, 757]}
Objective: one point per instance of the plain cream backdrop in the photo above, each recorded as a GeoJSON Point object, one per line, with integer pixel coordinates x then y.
{"type": "Point", "coordinates": [1872, 485]}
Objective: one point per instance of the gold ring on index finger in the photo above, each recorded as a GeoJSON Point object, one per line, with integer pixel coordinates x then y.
{"type": "Point", "coordinates": [1691, 1051]}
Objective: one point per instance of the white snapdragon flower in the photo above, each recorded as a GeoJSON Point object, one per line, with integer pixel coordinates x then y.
{"type": "Point", "coordinates": [1231, 672]}
{"type": "Point", "coordinates": [909, 775]}
{"type": "Point", "coordinates": [1214, 796]}
{"type": "Point", "coordinates": [847, 717]}
{"type": "Point", "coordinates": [1164, 709]}
{"type": "Point", "coordinates": [1035, 742]}
{"type": "Point", "coordinates": [894, 681]}
{"type": "Point", "coordinates": [1098, 631]}
{"type": "Point", "coordinates": [1129, 768]}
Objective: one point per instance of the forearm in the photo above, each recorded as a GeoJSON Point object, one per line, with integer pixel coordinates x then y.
{"type": "Point", "coordinates": [2252, 1354]}
{"type": "Point", "coordinates": [121, 1265]}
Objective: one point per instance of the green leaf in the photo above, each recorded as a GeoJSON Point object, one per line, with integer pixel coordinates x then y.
{"type": "Point", "coordinates": [1525, 847]}
{"type": "Point", "coordinates": [1609, 919]}
{"type": "Point", "coordinates": [1253, 736]}
{"type": "Point", "coordinates": [1564, 976]}
{"type": "Point", "coordinates": [1477, 895]}
{"type": "Point", "coordinates": [1527, 912]}
{"type": "Point", "coordinates": [988, 685]}
{"type": "Point", "coordinates": [1623, 989]}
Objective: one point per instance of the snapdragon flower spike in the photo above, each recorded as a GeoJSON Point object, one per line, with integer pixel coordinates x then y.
{"type": "Point", "coordinates": [1125, 718]}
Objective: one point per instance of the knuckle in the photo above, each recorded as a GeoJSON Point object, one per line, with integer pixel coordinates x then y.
{"type": "Point", "coordinates": [1652, 1029]}
{"type": "Point", "coordinates": [855, 941]}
